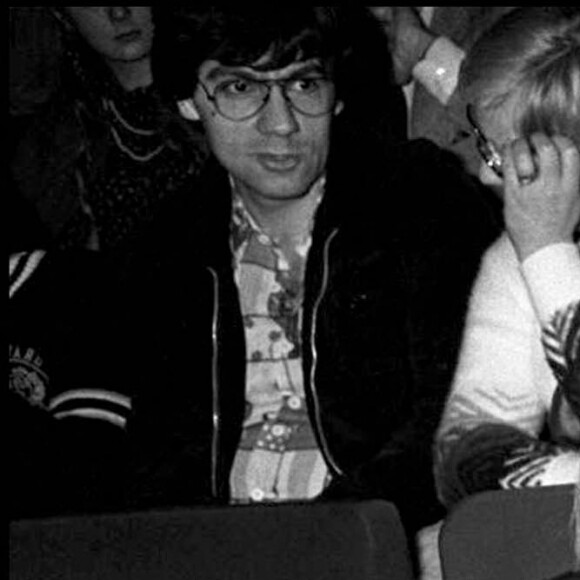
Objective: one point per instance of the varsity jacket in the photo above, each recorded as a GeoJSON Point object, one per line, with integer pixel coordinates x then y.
{"type": "Point", "coordinates": [396, 245]}
{"type": "Point", "coordinates": [68, 399]}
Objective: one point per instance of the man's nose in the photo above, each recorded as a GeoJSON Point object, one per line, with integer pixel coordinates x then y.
{"type": "Point", "coordinates": [118, 13]}
{"type": "Point", "coordinates": [277, 115]}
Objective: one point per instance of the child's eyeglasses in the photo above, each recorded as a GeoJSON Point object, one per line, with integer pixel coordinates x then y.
{"type": "Point", "coordinates": [486, 148]}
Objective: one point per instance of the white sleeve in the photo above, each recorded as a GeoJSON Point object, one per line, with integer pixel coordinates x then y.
{"type": "Point", "coordinates": [552, 277]}
{"type": "Point", "coordinates": [438, 71]}
{"type": "Point", "coordinates": [501, 393]}
{"type": "Point", "coordinates": [502, 376]}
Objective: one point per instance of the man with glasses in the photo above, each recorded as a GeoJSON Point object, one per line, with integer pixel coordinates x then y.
{"type": "Point", "coordinates": [311, 288]}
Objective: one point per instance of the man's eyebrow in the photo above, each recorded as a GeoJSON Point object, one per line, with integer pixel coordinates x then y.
{"type": "Point", "coordinates": [248, 73]}
{"type": "Point", "coordinates": [222, 71]}
{"type": "Point", "coordinates": [315, 67]}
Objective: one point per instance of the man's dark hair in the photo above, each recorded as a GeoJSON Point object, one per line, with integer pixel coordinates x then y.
{"type": "Point", "coordinates": [187, 36]}
{"type": "Point", "coordinates": [348, 40]}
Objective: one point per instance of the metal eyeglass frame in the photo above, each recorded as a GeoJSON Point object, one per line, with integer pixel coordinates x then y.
{"type": "Point", "coordinates": [485, 147]}
{"type": "Point", "coordinates": [269, 85]}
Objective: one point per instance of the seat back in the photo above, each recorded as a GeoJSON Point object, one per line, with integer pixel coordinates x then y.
{"type": "Point", "coordinates": [342, 541]}
{"type": "Point", "coordinates": [523, 534]}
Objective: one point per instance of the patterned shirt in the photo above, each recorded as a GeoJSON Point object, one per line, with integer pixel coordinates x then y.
{"type": "Point", "coordinates": [278, 457]}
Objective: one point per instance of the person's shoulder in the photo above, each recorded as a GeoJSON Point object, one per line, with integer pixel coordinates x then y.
{"type": "Point", "coordinates": [414, 151]}
{"type": "Point", "coordinates": [427, 169]}
{"type": "Point", "coordinates": [423, 182]}
{"type": "Point", "coordinates": [413, 186]}
{"type": "Point", "coordinates": [60, 274]}
{"type": "Point", "coordinates": [405, 169]}
{"type": "Point", "coordinates": [197, 212]}
{"type": "Point", "coordinates": [412, 170]}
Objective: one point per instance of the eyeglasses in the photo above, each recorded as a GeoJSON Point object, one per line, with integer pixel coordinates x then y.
{"type": "Point", "coordinates": [486, 148]}
{"type": "Point", "coordinates": [242, 98]}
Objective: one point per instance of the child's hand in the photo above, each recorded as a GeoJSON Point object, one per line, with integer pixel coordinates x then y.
{"type": "Point", "coordinates": [541, 192]}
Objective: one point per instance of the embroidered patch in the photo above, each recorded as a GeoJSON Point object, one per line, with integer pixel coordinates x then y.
{"type": "Point", "coordinates": [26, 376]}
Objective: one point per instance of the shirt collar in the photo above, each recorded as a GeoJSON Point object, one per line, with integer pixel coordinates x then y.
{"type": "Point", "coordinates": [244, 224]}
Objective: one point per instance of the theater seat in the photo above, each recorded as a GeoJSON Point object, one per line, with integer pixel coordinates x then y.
{"type": "Point", "coordinates": [522, 534]}
{"type": "Point", "coordinates": [297, 541]}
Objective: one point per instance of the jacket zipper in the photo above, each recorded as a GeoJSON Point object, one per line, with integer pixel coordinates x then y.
{"type": "Point", "coordinates": [215, 387]}
{"type": "Point", "coordinates": [317, 421]}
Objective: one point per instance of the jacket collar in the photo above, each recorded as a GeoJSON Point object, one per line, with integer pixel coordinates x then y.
{"type": "Point", "coordinates": [352, 183]}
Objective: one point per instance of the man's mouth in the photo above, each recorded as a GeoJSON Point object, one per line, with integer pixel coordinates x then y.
{"type": "Point", "coordinates": [278, 162]}
{"type": "Point", "coordinates": [130, 36]}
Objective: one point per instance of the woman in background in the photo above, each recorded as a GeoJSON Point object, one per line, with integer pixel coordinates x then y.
{"type": "Point", "coordinates": [100, 158]}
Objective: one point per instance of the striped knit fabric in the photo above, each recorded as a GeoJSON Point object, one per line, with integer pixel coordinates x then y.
{"type": "Point", "coordinates": [514, 373]}
{"type": "Point", "coordinates": [561, 338]}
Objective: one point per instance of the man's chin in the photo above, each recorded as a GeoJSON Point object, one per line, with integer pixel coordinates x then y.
{"type": "Point", "coordinates": [279, 196]}
{"type": "Point", "coordinates": [276, 187]}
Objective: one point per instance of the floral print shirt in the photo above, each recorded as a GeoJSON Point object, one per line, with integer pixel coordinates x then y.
{"type": "Point", "coordinates": [278, 457]}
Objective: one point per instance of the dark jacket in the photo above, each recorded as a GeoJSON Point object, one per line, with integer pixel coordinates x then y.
{"type": "Point", "coordinates": [396, 246]}
{"type": "Point", "coordinates": [68, 399]}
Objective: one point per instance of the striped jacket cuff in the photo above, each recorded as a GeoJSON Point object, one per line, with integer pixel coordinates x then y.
{"type": "Point", "coordinates": [21, 268]}
{"type": "Point", "coordinates": [99, 404]}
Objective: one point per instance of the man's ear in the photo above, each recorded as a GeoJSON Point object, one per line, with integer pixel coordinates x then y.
{"type": "Point", "coordinates": [338, 107]}
{"type": "Point", "coordinates": [188, 110]}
